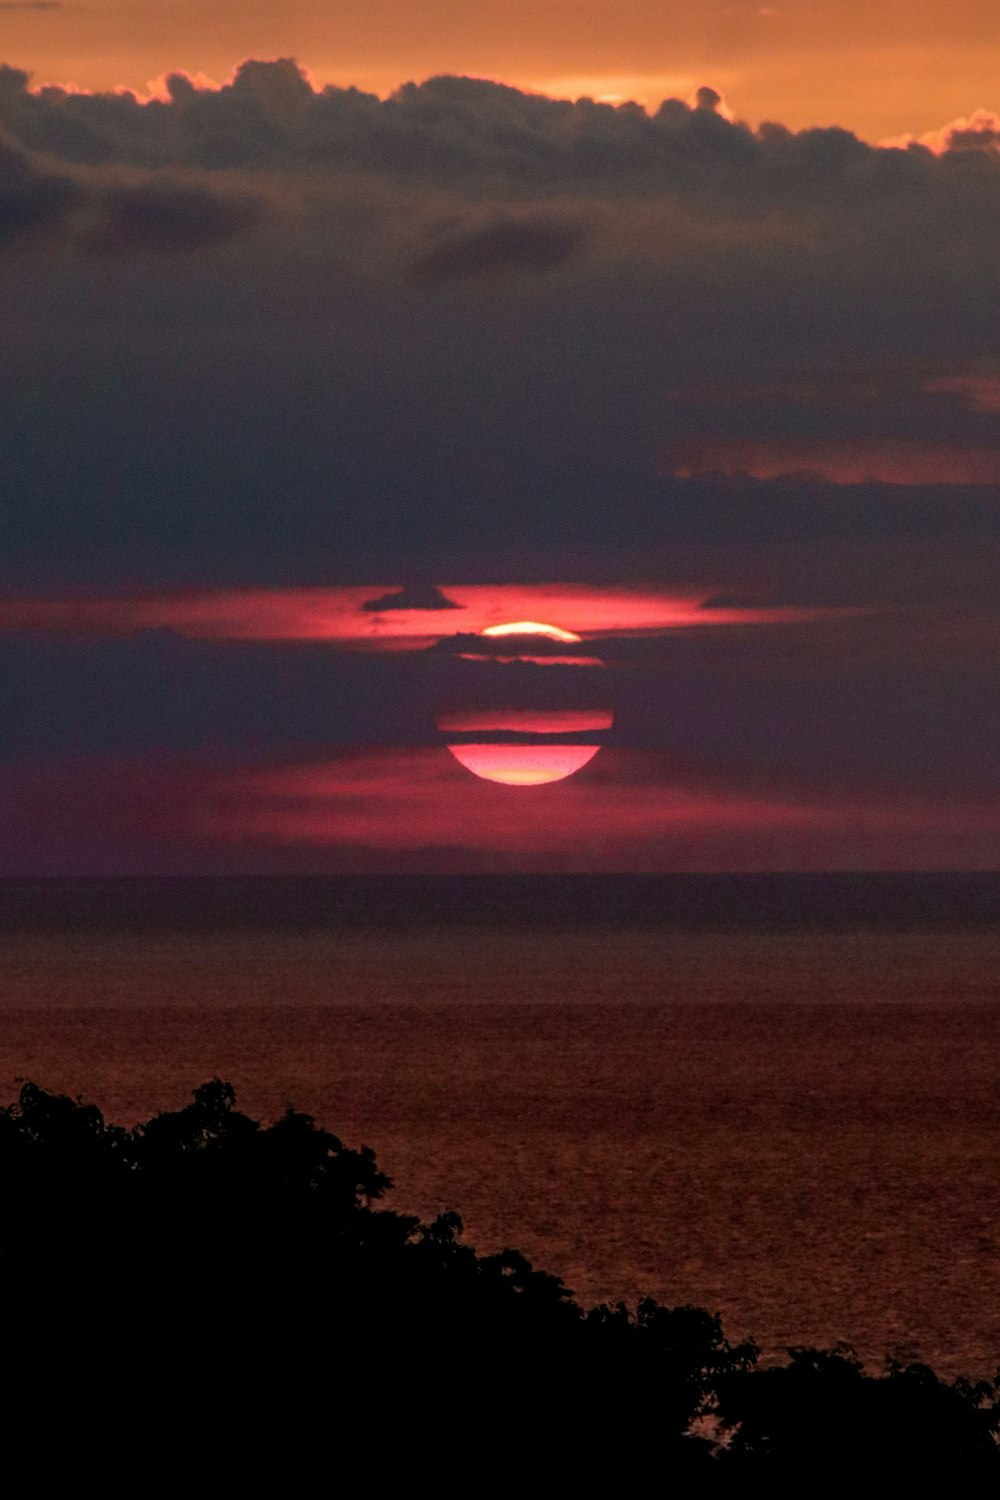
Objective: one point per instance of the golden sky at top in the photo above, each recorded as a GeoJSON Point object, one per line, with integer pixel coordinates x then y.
{"type": "Point", "coordinates": [879, 67]}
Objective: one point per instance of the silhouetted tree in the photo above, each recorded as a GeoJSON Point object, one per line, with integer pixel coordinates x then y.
{"type": "Point", "coordinates": [823, 1414]}
{"type": "Point", "coordinates": [216, 1301]}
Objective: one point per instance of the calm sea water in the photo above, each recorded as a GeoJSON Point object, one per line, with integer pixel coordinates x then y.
{"type": "Point", "coordinates": [784, 1107]}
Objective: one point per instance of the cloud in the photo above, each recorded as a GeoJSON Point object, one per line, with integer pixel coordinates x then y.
{"type": "Point", "coordinates": [729, 602]}
{"type": "Point", "coordinates": [34, 204]}
{"type": "Point", "coordinates": [351, 337]}
{"type": "Point", "coordinates": [979, 131]}
{"type": "Point", "coordinates": [447, 129]}
{"type": "Point", "coordinates": [887, 461]}
{"type": "Point", "coordinates": [502, 246]}
{"type": "Point", "coordinates": [335, 616]}
{"type": "Point", "coordinates": [623, 811]}
{"type": "Point", "coordinates": [898, 428]}
{"type": "Point", "coordinates": [977, 392]}
{"type": "Point", "coordinates": [170, 218]}
{"type": "Point", "coordinates": [158, 695]}
{"type": "Point", "coordinates": [414, 808]}
{"type": "Point", "coordinates": [85, 212]}
{"type": "Point", "coordinates": [415, 596]}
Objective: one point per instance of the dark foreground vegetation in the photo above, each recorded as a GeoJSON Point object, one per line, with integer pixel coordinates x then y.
{"type": "Point", "coordinates": [207, 1301]}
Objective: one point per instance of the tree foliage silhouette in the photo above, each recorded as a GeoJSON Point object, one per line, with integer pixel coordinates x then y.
{"type": "Point", "coordinates": [236, 1299]}
{"type": "Point", "coordinates": [822, 1408]}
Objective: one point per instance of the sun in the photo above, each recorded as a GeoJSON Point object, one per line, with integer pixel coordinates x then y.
{"type": "Point", "coordinates": [529, 627]}
{"type": "Point", "coordinates": [523, 765]}
{"type": "Point", "coordinates": [524, 704]}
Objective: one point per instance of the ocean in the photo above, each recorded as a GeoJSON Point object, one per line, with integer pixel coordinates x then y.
{"type": "Point", "coordinates": [775, 1097]}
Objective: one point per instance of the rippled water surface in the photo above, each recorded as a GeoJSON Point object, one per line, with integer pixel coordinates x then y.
{"type": "Point", "coordinates": [798, 1129]}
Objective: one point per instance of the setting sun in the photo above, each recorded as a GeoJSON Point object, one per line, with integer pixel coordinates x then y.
{"type": "Point", "coordinates": [513, 714]}
{"type": "Point", "coordinates": [530, 627]}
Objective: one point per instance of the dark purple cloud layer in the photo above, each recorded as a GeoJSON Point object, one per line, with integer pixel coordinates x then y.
{"type": "Point", "coordinates": [268, 332]}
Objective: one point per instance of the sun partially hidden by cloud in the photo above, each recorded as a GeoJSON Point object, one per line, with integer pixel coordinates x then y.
{"type": "Point", "coordinates": [515, 712]}
{"type": "Point", "coordinates": [523, 765]}
{"type": "Point", "coordinates": [529, 627]}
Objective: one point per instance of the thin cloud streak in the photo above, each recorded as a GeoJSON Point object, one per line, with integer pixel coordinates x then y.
{"type": "Point", "coordinates": [622, 811]}
{"type": "Point", "coordinates": [345, 617]}
{"type": "Point", "coordinates": [886, 461]}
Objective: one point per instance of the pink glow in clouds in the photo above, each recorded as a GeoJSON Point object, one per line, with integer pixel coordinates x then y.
{"type": "Point", "coordinates": [337, 615]}
{"type": "Point", "coordinates": [419, 809]}
{"type": "Point", "coordinates": [632, 815]}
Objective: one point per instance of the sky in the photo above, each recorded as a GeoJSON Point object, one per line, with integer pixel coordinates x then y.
{"type": "Point", "coordinates": [879, 67]}
{"type": "Point", "coordinates": [334, 339]}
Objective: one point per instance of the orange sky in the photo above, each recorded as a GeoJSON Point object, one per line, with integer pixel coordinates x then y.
{"type": "Point", "coordinates": [875, 66]}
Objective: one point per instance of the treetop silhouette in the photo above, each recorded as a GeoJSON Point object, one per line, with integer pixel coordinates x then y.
{"type": "Point", "coordinates": [247, 1294]}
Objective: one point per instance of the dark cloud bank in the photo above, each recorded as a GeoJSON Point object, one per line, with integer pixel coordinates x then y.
{"type": "Point", "coordinates": [272, 333]}
{"type": "Point", "coordinates": [447, 130]}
